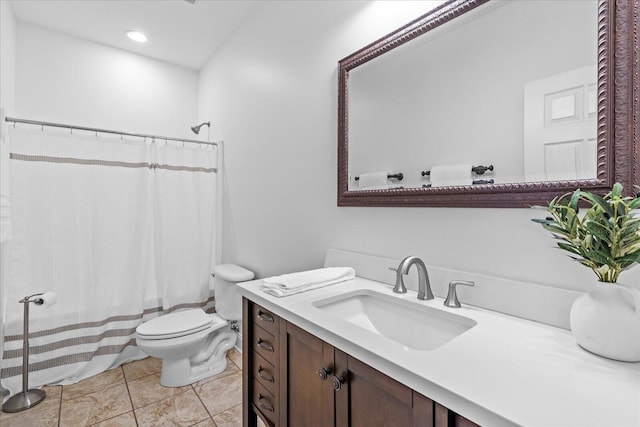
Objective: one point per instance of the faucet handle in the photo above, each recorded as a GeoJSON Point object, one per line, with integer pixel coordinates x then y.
{"type": "Point", "coordinates": [452, 296]}
{"type": "Point", "coordinates": [399, 288]}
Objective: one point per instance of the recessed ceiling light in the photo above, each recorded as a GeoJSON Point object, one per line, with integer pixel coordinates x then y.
{"type": "Point", "coordinates": [136, 36]}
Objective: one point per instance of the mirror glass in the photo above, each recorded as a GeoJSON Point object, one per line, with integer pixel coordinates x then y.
{"type": "Point", "coordinates": [510, 85]}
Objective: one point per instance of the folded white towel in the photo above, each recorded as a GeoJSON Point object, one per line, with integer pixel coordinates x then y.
{"type": "Point", "coordinates": [450, 175]}
{"type": "Point", "coordinates": [373, 180]}
{"type": "Point", "coordinates": [293, 283]}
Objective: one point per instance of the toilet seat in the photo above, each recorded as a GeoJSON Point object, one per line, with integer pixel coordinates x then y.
{"type": "Point", "coordinates": [179, 324]}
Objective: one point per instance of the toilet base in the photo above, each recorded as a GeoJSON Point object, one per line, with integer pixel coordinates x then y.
{"type": "Point", "coordinates": [181, 372]}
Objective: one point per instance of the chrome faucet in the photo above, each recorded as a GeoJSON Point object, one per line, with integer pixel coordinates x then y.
{"type": "Point", "coordinates": [424, 286]}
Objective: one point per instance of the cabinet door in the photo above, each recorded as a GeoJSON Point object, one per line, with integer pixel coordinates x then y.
{"type": "Point", "coordinates": [368, 398]}
{"type": "Point", "coordinates": [447, 418]}
{"type": "Point", "coordinates": [309, 397]}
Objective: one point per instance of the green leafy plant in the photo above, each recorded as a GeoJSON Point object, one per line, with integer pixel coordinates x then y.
{"type": "Point", "coordinates": [606, 238]}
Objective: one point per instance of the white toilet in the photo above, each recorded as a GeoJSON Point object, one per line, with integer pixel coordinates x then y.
{"type": "Point", "coordinates": [191, 343]}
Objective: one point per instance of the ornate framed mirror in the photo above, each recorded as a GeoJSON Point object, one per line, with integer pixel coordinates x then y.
{"type": "Point", "coordinates": [541, 95]}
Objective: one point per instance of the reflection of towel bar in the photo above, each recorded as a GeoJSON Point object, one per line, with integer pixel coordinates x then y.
{"type": "Point", "coordinates": [397, 176]}
{"type": "Point", "coordinates": [476, 182]}
{"type": "Point", "coordinates": [479, 170]}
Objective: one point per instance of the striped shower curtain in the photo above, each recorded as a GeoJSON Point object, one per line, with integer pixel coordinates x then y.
{"type": "Point", "coordinates": [120, 229]}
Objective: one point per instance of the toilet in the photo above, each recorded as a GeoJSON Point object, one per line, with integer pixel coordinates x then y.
{"type": "Point", "coordinates": [191, 343]}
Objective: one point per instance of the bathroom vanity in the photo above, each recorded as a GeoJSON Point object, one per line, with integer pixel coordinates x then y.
{"type": "Point", "coordinates": [314, 359]}
{"type": "Point", "coordinates": [292, 377]}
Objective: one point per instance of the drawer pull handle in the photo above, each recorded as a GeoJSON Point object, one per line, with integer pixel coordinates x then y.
{"type": "Point", "coordinates": [324, 373]}
{"type": "Point", "coordinates": [264, 346]}
{"type": "Point", "coordinates": [265, 317]}
{"type": "Point", "coordinates": [263, 406]}
{"type": "Point", "coordinates": [265, 377]}
{"type": "Point", "coordinates": [337, 383]}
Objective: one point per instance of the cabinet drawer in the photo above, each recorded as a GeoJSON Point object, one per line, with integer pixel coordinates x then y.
{"type": "Point", "coordinates": [265, 344]}
{"type": "Point", "coordinates": [265, 319]}
{"type": "Point", "coordinates": [265, 402]}
{"type": "Point", "coordinates": [265, 373]}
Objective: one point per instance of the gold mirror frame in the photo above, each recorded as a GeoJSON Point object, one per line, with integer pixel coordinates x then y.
{"type": "Point", "coordinates": [618, 158]}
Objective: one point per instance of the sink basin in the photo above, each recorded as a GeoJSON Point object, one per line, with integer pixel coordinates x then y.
{"type": "Point", "coordinates": [409, 323]}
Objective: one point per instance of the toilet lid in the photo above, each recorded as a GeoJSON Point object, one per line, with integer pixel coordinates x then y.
{"type": "Point", "coordinates": [175, 324]}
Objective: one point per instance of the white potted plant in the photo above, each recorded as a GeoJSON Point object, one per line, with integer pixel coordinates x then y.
{"type": "Point", "coordinates": [605, 238]}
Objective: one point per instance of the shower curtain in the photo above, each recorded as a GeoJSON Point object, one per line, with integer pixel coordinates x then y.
{"type": "Point", "coordinates": [122, 230]}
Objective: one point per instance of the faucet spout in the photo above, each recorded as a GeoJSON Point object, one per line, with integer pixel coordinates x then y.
{"type": "Point", "coordinates": [424, 286]}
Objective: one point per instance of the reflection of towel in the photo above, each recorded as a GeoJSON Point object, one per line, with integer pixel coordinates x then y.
{"type": "Point", "coordinates": [5, 204]}
{"type": "Point", "coordinates": [448, 175]}
{"type": "Point", "coordinates": [373, 180]}
{"type": "Point", "coordinates": [293, 283]}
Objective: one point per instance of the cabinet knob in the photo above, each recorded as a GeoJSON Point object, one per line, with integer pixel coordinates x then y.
{"type": "Point", "coordinates": [337, 382]}
{"type": "Point", "coordinates": [268, 378]}
{"type": "Point", "coordinates": [324, 373]}
{"type": "Point", "coordinates": [269, 408]}
{"type": "Point", "coordinates": [264, 346]}
{"type": "Point", "coordinates": [265, 317]}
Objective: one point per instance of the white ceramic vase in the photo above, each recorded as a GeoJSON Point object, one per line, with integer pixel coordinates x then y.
{"type": "Point", "coordinates": [606, 321]}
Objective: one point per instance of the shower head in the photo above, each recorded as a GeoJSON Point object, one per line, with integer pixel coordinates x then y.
{"type": "Point", "coordinates": [196, 129]}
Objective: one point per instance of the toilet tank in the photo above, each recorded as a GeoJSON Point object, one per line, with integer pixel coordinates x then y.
{"type": "Point", "coordinates": [228, 300]}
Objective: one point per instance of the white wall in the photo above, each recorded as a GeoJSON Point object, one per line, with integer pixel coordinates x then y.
{"type": "Point", "coordinates": [68, 80]}
{"type": "Point", "coordinates": [271, 93]}
{"type": "Point", "coordinates": [8, 58]}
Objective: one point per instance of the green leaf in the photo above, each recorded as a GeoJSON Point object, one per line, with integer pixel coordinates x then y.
{"type": "Point", "coordinates": [598, 201]}
{"type": "Point", "coordinates": [600, 231]}
{"type": "Point", "coordinates": [569, 248]}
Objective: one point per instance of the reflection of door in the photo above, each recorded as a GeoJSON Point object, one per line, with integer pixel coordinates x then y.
{"type": "Point", "coordinates": [560, 126]}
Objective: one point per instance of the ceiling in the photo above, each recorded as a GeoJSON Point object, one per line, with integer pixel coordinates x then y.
{"type": "Point", "coordinates": [179, 32]}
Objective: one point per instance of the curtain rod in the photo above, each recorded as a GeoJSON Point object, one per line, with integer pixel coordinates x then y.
{"type": "Point", "coordinates": [140, 135]}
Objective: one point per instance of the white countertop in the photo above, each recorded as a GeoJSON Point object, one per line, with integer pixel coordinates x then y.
{"type": "Point", "coordinates": [504, 371]}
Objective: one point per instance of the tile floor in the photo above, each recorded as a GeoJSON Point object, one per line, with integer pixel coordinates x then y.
{"type": "Point", "coordinates": [131, 395]}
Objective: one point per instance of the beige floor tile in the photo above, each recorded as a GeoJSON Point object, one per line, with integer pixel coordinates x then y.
{"type": "Point", "coordinates": [229, 418]}
{"type": "Point", "coordinates": [236, 357]}
{"type": "Point", "coordinates": [90, 385]}
{"type": "Point", "coordinates": [230, 369]}
{"type": "Point", "coordinates": [44, 414]}
{"type": "Point", "coordinates": [147, 390]}
{"type": "Point", "coordinates": [95, 407]}
{"type": "Point", "coordinates": [124, 420]}
{"type": "Point", "coordinates": [142, 368]}
{"type": "Point", "coordinates": [221, 394]}
{"type": "Point", "coordinates": [53, 390]}
{"type": "Point", "coordinates": [206, 423]}
{"type": "Point", "coordinates": [184, 409]}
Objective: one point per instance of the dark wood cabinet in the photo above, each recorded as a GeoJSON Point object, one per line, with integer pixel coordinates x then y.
{"type": "Point", "coordinates": [309, 370]}
{"type": "Point", "coordinates": [293, 378]}
{"type": "Point", "coordinates": [445, 417]}
{"type": "Point", "coordinates": [368, 397]}
{"type": "Point", "coordinates": [261, 374]}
